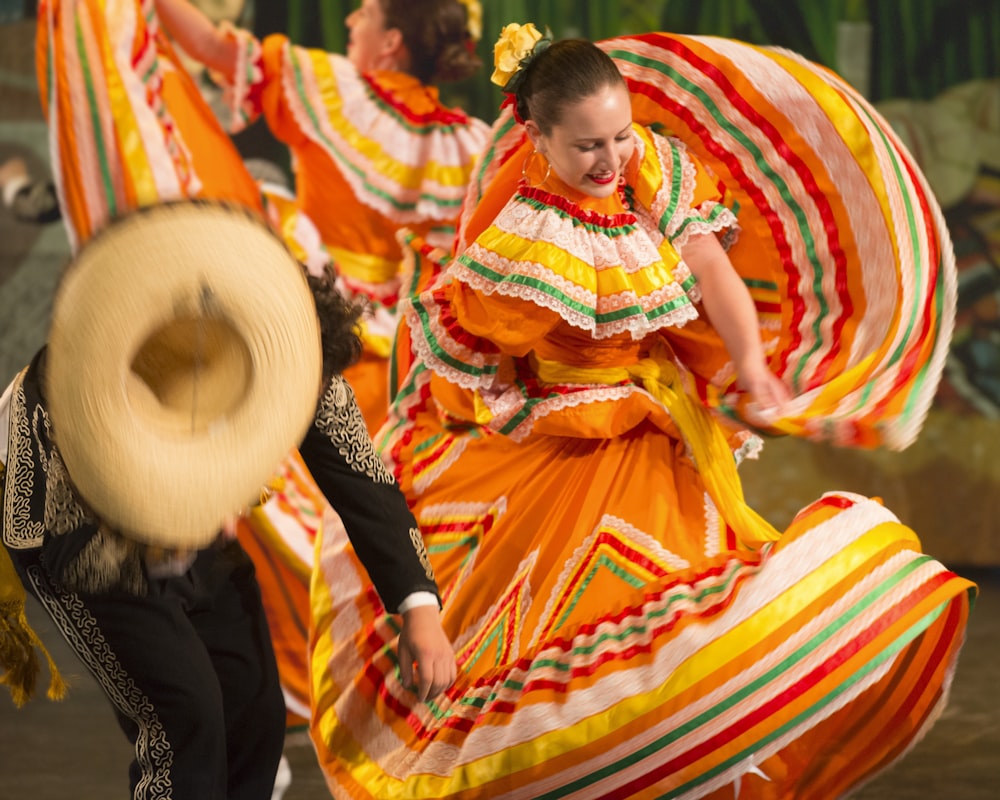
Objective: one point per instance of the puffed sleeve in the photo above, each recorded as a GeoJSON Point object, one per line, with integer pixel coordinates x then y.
{"type": "Point", "coordinates": [257, 87]}
{"type": "Point", "coordinates": [513, 325]}
{"type": "Point", "coordinates": [342, 459]}
{"type": "Point", "coordinates": [682, 194]}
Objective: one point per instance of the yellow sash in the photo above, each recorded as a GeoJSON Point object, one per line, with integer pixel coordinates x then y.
{"type": "Point", "coordinates": [364, 266]}
{"type": "Point", "coordinates": [658, 375]}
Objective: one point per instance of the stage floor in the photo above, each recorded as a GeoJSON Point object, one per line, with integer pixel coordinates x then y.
{"type": "Point", "coordinates": [52, 751]}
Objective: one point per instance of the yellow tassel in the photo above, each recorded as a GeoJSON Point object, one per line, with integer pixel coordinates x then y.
{"type": "Point", "coordinates": [19, 646]}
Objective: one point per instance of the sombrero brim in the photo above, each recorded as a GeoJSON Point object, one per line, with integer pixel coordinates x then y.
{"type": "Point", "coordinates": [184, 363]}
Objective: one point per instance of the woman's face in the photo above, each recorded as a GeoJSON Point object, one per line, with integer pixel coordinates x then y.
{"type": "Point", "coordinates": [368, 40]}
{"type": "Point", "coordinates": [592, 142]}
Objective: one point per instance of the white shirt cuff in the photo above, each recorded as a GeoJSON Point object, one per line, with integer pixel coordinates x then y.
{"type": "Point", "coordinates": [415, 599]}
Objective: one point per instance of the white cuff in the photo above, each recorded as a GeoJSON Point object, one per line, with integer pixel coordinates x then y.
{"type": "Point", "coordinates": [415, 599]}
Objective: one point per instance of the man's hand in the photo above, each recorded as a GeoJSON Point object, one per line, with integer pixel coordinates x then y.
{"type": "Point", "coordinates": [426, 658]}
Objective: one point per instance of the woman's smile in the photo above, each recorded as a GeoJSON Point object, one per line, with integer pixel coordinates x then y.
{"type": "Point", "coordinates": [602, 178]}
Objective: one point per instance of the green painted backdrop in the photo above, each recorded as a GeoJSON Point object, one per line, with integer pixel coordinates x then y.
{"type": "Point", "coordinates": [919, 47]}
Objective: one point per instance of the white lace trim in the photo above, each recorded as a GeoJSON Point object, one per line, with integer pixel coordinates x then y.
{"type": "Point", "coordinates": [247, 74]}
{"type": "Point", "coordinates": [663, 199]}
{"type": "Point", "coordinates": [637, 326]}
{"type": "Point", "coordinates": [698, 225]}
{"type": "Point", "coordinates": [425, 351]}
{"type": "Point", "coordinates": [751, 446]}
{"type": "Point", "coordinates": [450, 146]}
{"type": "Point", "coordinates": [426, 478]}
{"type": "Point", "coordinates": [510, 403]}
{"type": "Point", "coordinates": [695, 217]}
{"type": "Point", "coordinates": [632, 252]}
{"type": "Point", "coordinates": [520, 574]}
{"type": "Point", "coordinates": [503, 401]}
{"type": "Point", "coordinates": [713, 527]}
{"type": "Point", "coordinates": [668, 559]}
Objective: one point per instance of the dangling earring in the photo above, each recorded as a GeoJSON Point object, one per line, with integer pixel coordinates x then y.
{"type": "Point", "coordinates": [526, 167]}
{"type": "Point", "coordinates": [624, 192]}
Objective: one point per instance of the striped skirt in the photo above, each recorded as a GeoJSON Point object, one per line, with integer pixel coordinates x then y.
{"type": "Point", "coordinates": [615, 640]}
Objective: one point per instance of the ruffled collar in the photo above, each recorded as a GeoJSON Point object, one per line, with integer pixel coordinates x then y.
{"type": "Point", "coordinates": [413, 100]}
{"type": "Point", "coordinates": [597, 263]}
{"type": "Point", "coordinates": [403, 153]}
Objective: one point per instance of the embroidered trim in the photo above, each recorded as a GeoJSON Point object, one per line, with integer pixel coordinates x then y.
{"type": "Point", "coordinates": [78, 625]}
{"type": "Point", "coordinates": [20, 530]}
{"type": "Point", "coordinates": [418, 544]}
{"type": "Point", "coordinates": [106, 561]}
{"type": "Point", "coordinates": [340, 419]}
{"type": "Point", "coordinates": [63, 512]}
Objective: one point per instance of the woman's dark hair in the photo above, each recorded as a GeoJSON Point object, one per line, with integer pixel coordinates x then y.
{"type": "Point", "coordinates": [565, 72]}
{"type": "Point", "coordinates": [436, 34]}
{"type": "Point", "coordinates": [338, 325]}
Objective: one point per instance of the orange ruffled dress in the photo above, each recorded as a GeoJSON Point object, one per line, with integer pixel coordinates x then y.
{"type": "Point", "coordinates": [567, 437]}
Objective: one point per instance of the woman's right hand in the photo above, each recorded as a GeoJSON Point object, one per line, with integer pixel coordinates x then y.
{"type": "Point", "coordinates": [767, 392]}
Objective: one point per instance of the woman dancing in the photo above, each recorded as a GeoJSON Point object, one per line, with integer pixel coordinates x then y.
{"type": "Point", "coordinates": [588, 370]}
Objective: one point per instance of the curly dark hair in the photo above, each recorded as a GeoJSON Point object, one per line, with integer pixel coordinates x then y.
{"type": "Point", "coordinates": [338, 325]}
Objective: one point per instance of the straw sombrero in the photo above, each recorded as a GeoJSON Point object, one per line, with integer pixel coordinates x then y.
{"type": "Point", "coordinates": [184, 363]}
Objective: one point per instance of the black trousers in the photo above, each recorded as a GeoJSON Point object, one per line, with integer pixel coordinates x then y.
{"type": "Point", "coordinates": [189, 671]}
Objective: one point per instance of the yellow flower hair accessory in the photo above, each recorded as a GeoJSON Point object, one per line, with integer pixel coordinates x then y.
{"type": "Point", "coordinates": [514, 50]}
{"type": "Point", "coordinates": [474, 13]}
